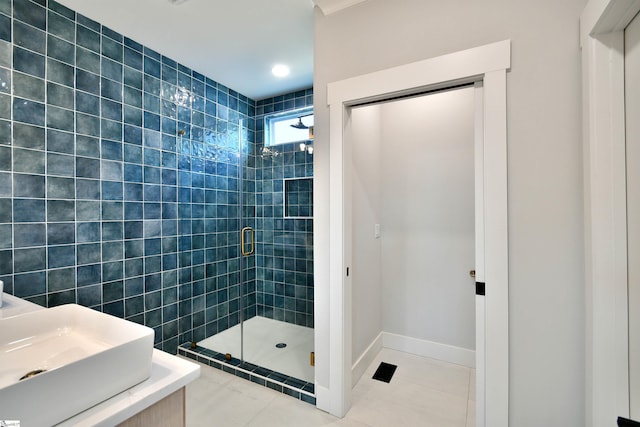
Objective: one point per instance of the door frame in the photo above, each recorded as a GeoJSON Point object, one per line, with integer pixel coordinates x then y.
{"type": "Point", "coordinates": [487, 64]}
{"type": "Point", "coordinates": [602, 25]}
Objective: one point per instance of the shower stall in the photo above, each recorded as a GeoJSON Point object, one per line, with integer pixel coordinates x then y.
{"type": "Point", "coordinates": [126, 181]}
{"type": "Point", "coordinates": [255, 316]}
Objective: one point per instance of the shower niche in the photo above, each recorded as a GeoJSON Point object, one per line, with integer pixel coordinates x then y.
{"type": "Point", "coordinates": [298, 198]}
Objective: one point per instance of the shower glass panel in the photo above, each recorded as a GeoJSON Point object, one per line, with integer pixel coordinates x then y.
{"type": "Point", "coordinates": [258, 289]}
{"type": "Point", "coordinates": [217, 303]}
{"type": "Point", "coordinates": [278, 288]}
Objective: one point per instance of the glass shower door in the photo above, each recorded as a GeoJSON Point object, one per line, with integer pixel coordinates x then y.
{"type": "Point", "coordinates": [277, 268]}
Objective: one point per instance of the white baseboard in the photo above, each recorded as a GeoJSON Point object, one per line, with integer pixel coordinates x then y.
{"type": "Point", "coordinates": [434, 350]}
{"type": "Point", "coordinates": [365, 359]}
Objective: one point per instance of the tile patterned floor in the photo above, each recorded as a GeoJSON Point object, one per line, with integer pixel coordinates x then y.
{"type": "Point", "coordinates": [423, 392]}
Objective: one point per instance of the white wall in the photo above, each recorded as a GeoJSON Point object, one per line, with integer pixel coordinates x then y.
{"type": "Point", "coordinates": [367, 251]}
{"type": "Point", "coordinates": [546, 324]}
{"type": "Point", "coordinates": [413, 174]}
{"type": "Point", "coordinates": [428, 218]}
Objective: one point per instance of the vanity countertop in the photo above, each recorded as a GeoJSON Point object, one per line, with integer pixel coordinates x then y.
{"type": "Point", "coordinates": [168, 374]}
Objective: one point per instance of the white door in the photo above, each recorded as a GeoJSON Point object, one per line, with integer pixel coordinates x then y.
{"type": "Point", "coordinates": [479, 254]}
{"type": "Point", "coordinates": [427, 216]}
{"type": "Point", "coordinates": [632, 108]}
{"type": "Point", "coordinates": [417, 168]}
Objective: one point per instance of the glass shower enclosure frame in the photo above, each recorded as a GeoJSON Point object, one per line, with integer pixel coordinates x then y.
{"type": "Point", "coordinates": [261, 312]}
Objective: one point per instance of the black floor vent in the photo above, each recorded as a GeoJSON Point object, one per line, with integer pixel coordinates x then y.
{"type": "Point", "coordinates": [384, 372]}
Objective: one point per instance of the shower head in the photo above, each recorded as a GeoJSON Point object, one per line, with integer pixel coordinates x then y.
{"type": "Point", "coordinates": [300, 125]}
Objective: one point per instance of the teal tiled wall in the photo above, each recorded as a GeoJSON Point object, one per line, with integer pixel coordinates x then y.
{"type": "Point", "coordinates": [119, 175]}
{"type": "Point", "coordinates": [284, 270]}
{"type": "Point", "coordinates": [120, 183]}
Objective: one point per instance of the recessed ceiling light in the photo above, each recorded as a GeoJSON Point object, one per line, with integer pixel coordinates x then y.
{"type": "Point", "coordinates": [280, 70]}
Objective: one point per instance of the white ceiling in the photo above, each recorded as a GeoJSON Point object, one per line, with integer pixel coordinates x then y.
{"type": "Point", "coordinates": [234, 42]}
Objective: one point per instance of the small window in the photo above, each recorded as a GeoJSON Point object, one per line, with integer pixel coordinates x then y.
{"type": "Point", "coordinates": [290, 126]}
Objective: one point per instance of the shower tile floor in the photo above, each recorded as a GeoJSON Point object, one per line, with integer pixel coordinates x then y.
{"type": "Point", "coordinates": [260, 338]}
{"type": "Point", "coordinates": [423, 392]}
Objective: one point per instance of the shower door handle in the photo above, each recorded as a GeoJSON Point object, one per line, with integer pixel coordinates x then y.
{"type": "Point", "coordinates": [243, 243]}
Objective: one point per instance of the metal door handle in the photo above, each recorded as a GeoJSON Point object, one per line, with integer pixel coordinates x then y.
{"type": "Point", "coordinates": [243, 242]}
{"type": "Point", "coordinates": [472, 273]}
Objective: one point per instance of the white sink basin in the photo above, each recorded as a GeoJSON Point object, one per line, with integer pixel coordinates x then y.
{"type": "Point", "coordinates": [86, 357]}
